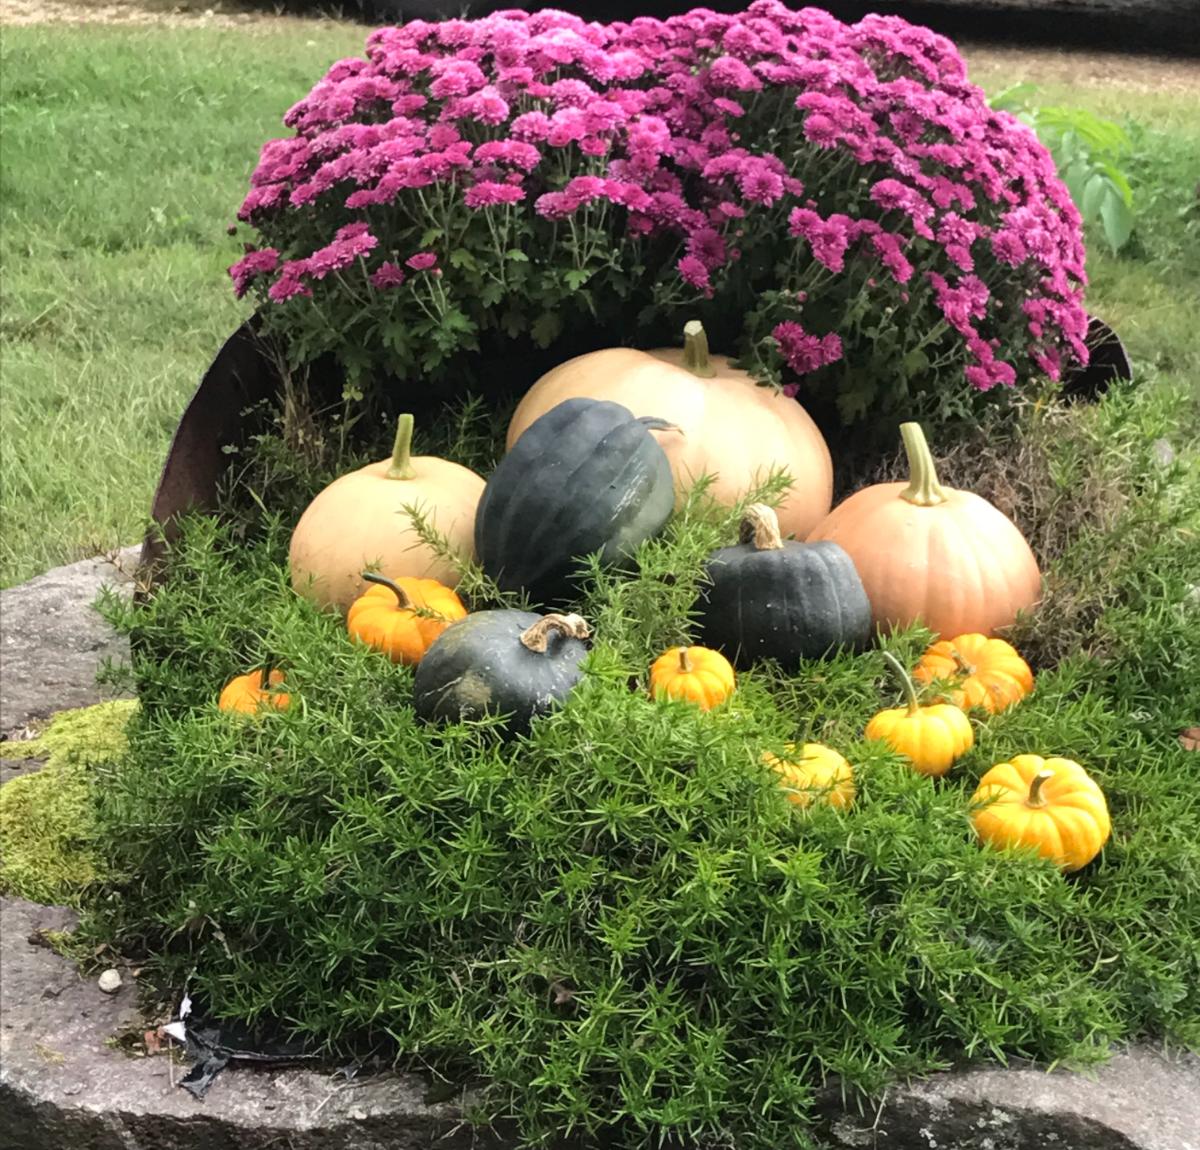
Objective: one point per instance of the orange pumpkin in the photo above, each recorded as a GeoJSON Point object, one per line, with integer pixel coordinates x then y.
{"type": "Point", "coordinates": [817, 772]}
{"type": "Point", "coordinates": [722, 422]}
{"type": "Point", "coordinates": [246, 694]}
{"type": "Point", "coordinates": [987, 673]}
{"type": "Point", "coordinates": [359, 521]}
{"type": "Point", "coordinates": [694, 674]}
{"type": "Point", "coordinates": [402, 618]}
{"type": "Point", "coordinates": [933, 554]}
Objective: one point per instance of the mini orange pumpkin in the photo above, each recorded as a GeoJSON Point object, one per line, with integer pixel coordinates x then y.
{"type": "Point", "coordinates": [930, 737]}
{"type": "Point", "coordinates": [694, 674]}
{"type": "Point", "coordinates": [817, 772]}
{"type": "Point", "coordinates": [1051, 804]}
{"type": "Point", "coordinates": [988, 673]}
{"type": "Point", "coordinates": [246, 694]}
{"type": "Point", "coordinates": [402, 618]}
{"type": "Point", "coordinates": [930, 553]}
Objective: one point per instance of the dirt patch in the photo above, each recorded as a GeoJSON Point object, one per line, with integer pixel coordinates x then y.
{"type": "Point", "coordinates": [1082, 69]}
{"type": "Point", "coordinates": [22, 13]}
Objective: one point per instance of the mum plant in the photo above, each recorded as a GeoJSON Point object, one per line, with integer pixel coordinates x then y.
{"type": "Point", "coordinates": [838, 203]}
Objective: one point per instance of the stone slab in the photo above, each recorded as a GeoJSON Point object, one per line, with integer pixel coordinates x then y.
{"type": "Point", "coordinates": [62, 1087]}
{"type": "Point", "coordinates": [52, 641]}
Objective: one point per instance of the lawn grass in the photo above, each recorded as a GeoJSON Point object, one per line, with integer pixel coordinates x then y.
{"type": "Point", "coordinates": [126, 152]}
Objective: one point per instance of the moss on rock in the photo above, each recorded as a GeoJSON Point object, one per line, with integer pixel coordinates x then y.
{"type": "Point", "coordinates": [46, 818]}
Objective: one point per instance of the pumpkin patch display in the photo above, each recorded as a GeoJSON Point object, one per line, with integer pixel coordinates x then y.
{"type": "Point", "coordinates": [771, 599]}
{"type": "Point", "coordinates": [813, 772]}
{"type": "Point", "coordinates": [987, 673]}
{"type": "Point", "coordinates": [402, 618]}
{"type": "Point", "coordinates": [587, 477]}
{"type": "Point", "coordinates": [511, 663]}
{"type": "Point", "coordinates": [724, 423]}
{"type": "Point", "coordinates": [933, 554]}
{"type": "Point", "coordinates": [245, 694]}
{"type": "Point", "coordinates": [693, 674]}
{"type": "Point", "coordinates": [1052, 805]}
{"type": "Point", "coordinates": [359, 522]}
{"type": "Point", "coordinates": [931, 737]}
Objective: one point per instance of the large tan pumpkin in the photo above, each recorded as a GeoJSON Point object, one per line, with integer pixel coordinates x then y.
{"type": "Point", "coordinates": [728, 426]}
{"type": "Point", "coordinates": [931, 553]}
{"type": "Point", "coordinates": [359, 522]}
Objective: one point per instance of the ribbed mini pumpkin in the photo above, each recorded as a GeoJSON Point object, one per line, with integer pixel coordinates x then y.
{"type": "Point", "coordinates": [586, 478]}
{"type": "Point", "coordinates": [813, 772]}
{"type": "Point", "coordinates": [510, 663]}
{"type": "Point", "coordinates": [245, 694]}
{"type": "Point", "coordinates": [931, 737]}
{"type": "Point", "coordinates": [769, 599]}
{"type": "Point", "coordinates": [694, 675]}
{"type": "Point", "coordinates": [1052, 805]}
{"type": "Point", "coordinates": [933, 554]}
{"type": "Point", "coordinates": [402, 618]}
{"type": "Point", "coordinates": [987, 673]}
{"type": "Point", "coordinates": [725, 424]}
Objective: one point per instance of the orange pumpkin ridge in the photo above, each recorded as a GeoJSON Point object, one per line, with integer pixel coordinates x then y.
{"type": "Point", "coordinates": [402, 618]}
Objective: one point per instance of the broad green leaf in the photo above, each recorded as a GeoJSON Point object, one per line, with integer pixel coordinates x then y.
{"type": "Point", "coordinates": [546, 328]}
{"type": "Point", "coordinates": [1117, 219]}
{"type": "Point", "coordinates": [1098, 186]}
{"type": "Point", "coordinates": [1118, 178]}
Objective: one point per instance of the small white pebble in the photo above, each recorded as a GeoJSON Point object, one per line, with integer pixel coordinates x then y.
{"type": "Point", "coordinates": [110, 981]}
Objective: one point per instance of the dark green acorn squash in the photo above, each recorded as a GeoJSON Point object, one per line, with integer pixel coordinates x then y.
{"type": "Point", "coordinates": [770, 599]}
{"type": "Point", "coordinates": [511, 663]}
{"type": "Point", "coordinates": [586, 477]}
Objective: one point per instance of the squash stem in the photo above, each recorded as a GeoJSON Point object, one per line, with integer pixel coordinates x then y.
{"type": "Point", "coordinates": [536, 638]}
{"type": "Point", "coordinates": [760, 526]}
{"type": "Point", "coordinates": [960, 664]}
{"type": "Point", "coordinates": [403, 598]}
{"type": "Point", "coordinates": [685, 662]}
{"type": "Point", "coordinates": [402, 467]}
{"type": "Point", "coordinates": [906, 682]}
{"type": "Point", "coordinates": [695, 350]}
{"type": "Point", "coordinates": [923, 487]}
{"type": "Point", "coordinates": [1036, 798]}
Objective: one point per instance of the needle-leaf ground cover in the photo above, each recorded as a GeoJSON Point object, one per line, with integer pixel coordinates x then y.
{"type": "Point", "coordinates": [619, 923]}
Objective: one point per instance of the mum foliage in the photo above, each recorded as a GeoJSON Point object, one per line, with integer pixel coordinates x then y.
{"type": "Point", "coordinates": [839, 202]}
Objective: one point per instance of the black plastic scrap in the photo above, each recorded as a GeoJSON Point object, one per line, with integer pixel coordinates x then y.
{"type": "Point", "coordinates": [215, 1046]}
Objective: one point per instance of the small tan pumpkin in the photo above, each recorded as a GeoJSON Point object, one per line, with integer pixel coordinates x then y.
{"type": "Point", "coordinates": [359, 522]}
{"type": "Point", "coordinates": [693, 674]}
{"type": "Point", "coordinates": [932, 554]}
{"type": "Point", "coordinates": [723, 423]}
{"type": "Point", "coordinates": [245, 694]}
{"type": "Point", "coordinates": [817, 773]}
{"type": "Point", "coordinates": [1052, 804]}
{"type": "Point", "coordinates": [986, 673]}
{"type": "Point", "coordinates": [402, 618]}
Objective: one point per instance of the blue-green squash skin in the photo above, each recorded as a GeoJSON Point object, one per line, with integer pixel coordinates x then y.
{"type": "Point", "coordinates": [481, 666]}
{"type": "Point", "coordinates": [585, 478]}
{"type": "Point", "coordinates": [766, 598]}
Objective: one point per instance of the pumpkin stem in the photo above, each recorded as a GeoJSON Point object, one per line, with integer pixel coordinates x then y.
{"type": "Point", "coordinates": [402, 467]}
{"type": "Point", "coordinates": [1036, 799]}
{"type": "Point", "coordinates": [695, 350]}
{"type": "Point", "coordinates": [923, 487]}
{"type": "Point", "coordinates": [906, 682]}
{"type": "Point", "coordinates": [403, 598]}
{"type": "Point", "coordinates": [760, 526]}
{"type": "Point", "coordinates": [536, 638]}
{"type": "Point", "coordinates": [685, 662]}
{"type": "Point", "coordinates": [960, 664]}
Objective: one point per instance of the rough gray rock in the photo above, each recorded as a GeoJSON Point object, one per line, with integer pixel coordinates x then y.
{"type": "Point", "coordinates": [1142, 1099]}
{"type": "Point", "coordinates": [62, 1087]}
{"type": "Point", "coordinates": [52, 642]}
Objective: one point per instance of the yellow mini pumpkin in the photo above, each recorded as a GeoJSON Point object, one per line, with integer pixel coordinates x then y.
{"type": "Point", "coordinates": [932, 737]}
{"type": "Point", "coordinates": [247, 695]}
{"type": "Point", "coordinates": [817, 772]}
{"type": "Point", "coordinates": [402, 618]}
{"type": "Point", "coordinates": [988, 673]}
{"type": "Point", "coordinates": [1051, 804]}
{"type": "Point", "coordinates": [694, 674]}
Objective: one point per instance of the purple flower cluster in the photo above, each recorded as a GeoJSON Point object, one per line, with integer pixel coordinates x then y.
{"type": "Point", "coordinates": [775, 152]}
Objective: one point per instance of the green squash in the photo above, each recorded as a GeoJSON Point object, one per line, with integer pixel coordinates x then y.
{"type": "Point", "coordinates": [770, 599]}
{"type": "Point", "coordinates": [585, 478]}
{"type": "Point", "coordinates": [511, 663]}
